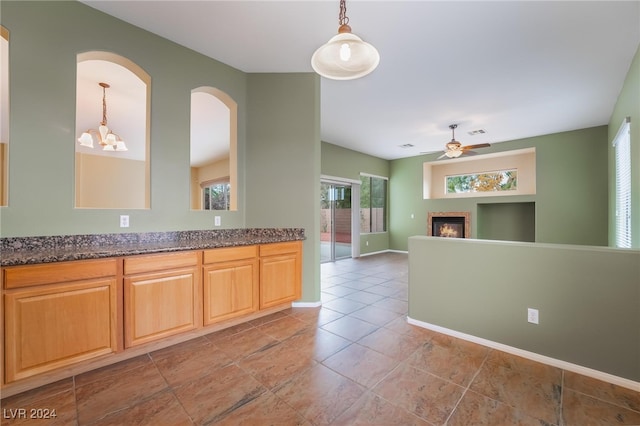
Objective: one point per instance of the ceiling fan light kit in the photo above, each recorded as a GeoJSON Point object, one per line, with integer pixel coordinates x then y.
{"type": "Point", "coordinates": [455, 149]}
{"type": "Point", "coordinates": [345, 56]}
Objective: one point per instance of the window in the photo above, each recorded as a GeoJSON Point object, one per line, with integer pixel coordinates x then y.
{"type": "Point", "coordinates": [216, 196]}
{"type": "Point", "coordinates": [501, 180]}
{"type": "Point", "coordinates": [622, 145]}
{"type": "Point", "coordinates": [373, 204]}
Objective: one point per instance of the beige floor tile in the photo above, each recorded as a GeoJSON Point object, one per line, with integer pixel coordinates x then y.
{"type": "Point", "coordinates": [162, 409]}
{"type": "Point", "coordinates": [425, 395]}
{"type": "Point", "coordinates": [213, 397]}
{"type": "Point", "coordinates": [608, 392]}
{"type": "Point", "coordinates": [283, 328]}
{"type": "Point", "coordinates": [188, 361]}
{"type": "Point", "coordinates": [277, 364]}
{"type": "Point", "coordinates": [320, 394]}
{"type": "Point", "coordinates": [127, 388]}
{"type": "Point", "coordinates": [267, 409]}
{"type": "Point", "coordinates": [350, 328]}
{"type": "Point", "coordinates": [391, 344]}
{"type": "Point", "coordinates": [371, 409]}
{"type": "Point", "coordinates": [245, 343]}
{"type": "Point", "coordinates": [319, 343]}
{"type": "Point", "coordinates": [535, 395]}
{"type": "Point", "coordinates": [375, 315]}
{"type": "Point", "coordinates": [449, 358]}
{"type": "Point", "coordinates": [584, 410]}
{"type": "Point", "coordinates": [51, 409]}
{"type": "Point", "coordinates": [478, 410]}
{"type": "Point", "coordinates": [362, 365]}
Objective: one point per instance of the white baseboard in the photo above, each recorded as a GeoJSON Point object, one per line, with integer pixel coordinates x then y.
{"type": "Point", "coordinates": [383, 251]}
{"type": "Point", "coordinates": [589, 372]}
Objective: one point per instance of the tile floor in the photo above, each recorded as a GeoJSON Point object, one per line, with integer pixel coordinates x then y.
{"type": "Point", "coordinates": [355, 361]}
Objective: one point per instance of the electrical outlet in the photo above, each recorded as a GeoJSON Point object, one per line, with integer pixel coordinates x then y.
{"type": "Point", "coordinates": [532, 316]}
{"type": "Point", "coordinates": [124, 221]}
{"type": "Point", "coordinates": [217, 221]}
{"type": "Point", "coordinates": [366, 243]}
{"type": "Point", "coordinates": [412, 216]}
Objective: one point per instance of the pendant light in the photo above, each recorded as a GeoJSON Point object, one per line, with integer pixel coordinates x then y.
{"type": "Point", "coordinates": [345, 56]}
{"type": "Point", "coordinates": [106, 138]}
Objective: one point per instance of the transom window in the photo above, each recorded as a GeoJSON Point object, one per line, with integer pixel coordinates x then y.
{"type": "Point", "coordinates": [501, 180]}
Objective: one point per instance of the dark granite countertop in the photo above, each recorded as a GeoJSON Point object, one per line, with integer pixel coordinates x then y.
{"type": "Point", "coordinates": [47, 249]}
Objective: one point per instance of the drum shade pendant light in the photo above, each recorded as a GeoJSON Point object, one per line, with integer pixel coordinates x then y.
{"type": "Point", "coordinates": [106, 138]}
{"type": "Point", "coordinates": [345, 56]}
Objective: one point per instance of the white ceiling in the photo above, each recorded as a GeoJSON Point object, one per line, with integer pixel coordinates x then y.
{"type": "Point", "coordinates": [516, 69]}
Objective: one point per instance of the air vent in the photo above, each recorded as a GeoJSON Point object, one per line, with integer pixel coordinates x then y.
{"type": "Point", "coordinates": [477, 132]}
{"type": "Point", "coordinates": [407, 145]}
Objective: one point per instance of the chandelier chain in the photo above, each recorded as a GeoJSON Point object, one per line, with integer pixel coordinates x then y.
{"type": "Point", "coordinates": [343, 19]}
{"type": "Point", "coordinates": [104, 106]}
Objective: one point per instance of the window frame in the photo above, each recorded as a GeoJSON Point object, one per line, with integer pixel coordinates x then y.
{"type": "Point", "coordinates": [385, 208]}
{"type": "Point", "coordinates": [622, 185]}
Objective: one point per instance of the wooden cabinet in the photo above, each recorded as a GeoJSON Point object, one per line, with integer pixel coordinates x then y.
{"type": "Point", "coordinates": [64, 316]}
{"type": "Point", "coordinates": [230, 278]}
{"type": "Point", "coordinates": [280, 273]}
{"type": "Point", "coordinates": [161, 296]}
{"type": "Point", "coordinates": [58, 314]}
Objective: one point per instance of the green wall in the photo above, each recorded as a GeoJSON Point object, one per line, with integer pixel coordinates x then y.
{"type": "Point", "coordinates": [570, 200]}
{"type": "Point", "coordinates": [278, 132]}
{"type": "Point", "coordinates": [348, 164]}
{"type": "Point", "coordinates": [588, 298]}
{"type": "Point", "coordinates": [45, 38]}
{"type": "Point", "coordinates": [628, 105]}
{"type": "Point", "coordinates": [283, 150]}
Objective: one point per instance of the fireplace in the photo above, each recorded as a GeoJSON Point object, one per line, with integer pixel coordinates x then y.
{"type": "Point", "coordinates": [449, 224]}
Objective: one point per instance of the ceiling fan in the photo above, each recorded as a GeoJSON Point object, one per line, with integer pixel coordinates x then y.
{"type": "Point", "coordinates": [455, 149]}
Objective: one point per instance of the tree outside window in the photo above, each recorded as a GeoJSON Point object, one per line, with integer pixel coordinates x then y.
{"type": "Point", "coordinates": [373, 204]}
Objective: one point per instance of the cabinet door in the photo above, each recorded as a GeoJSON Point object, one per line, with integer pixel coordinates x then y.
{"type": "Point", "coordinates": [230, 290]}
{"type": "Point", "coordinates": [58, 325]}
{"type": "Point", "coordinates": [280, 277]}
{"type": "Point", "coordinates": [158, 305]}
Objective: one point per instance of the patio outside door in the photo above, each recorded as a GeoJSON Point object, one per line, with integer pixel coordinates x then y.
{"type": "Point", "coordinates": [335, 221]}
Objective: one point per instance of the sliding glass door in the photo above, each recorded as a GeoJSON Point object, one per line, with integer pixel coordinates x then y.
{"type": "Point", "coordinates": [335, 221]}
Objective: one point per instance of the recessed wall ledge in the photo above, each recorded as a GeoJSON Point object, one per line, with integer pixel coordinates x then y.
{"type": "Point", "coordinates": [59, 248]}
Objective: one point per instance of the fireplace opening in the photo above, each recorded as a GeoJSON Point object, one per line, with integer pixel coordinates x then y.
{"type": "Point", "coordinates": [449, 224]}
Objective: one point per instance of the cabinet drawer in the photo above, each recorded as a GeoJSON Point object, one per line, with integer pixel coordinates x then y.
{"type": "Point", "coordinates": [160, 262]}
{"type": "Point", "coordinates": [59, 272]}
{"type": "Point", "coordinates": [230, 253]}
{"type": "Point", "coordinates": [280, 248]}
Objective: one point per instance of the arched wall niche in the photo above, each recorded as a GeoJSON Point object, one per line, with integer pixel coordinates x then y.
{"type": "Point", "coordinates": [112, 179]}
{"type": "Point", "coordinates": [213, 149]}
{"type": "Point", "coordinates": [4, 116]}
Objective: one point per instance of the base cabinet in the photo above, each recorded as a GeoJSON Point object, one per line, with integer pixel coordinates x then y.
{"type": "Point", "coordinates": [231, 287]}
{"type": "Point", "coordinates": [61, 316]}
{"type": "Point", "coordinates": [160, 296]}
{"type": "Point", "coordinates": [280, 273]}
{"type": "Point", "coordinates": [55, 316]}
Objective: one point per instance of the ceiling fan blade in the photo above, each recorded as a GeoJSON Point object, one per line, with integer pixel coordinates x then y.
{"type": "Point", "coordinates": [480, 145]}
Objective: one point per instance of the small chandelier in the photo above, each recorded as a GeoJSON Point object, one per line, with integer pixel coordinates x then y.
{"type": "Point", "coordinates": [345, 56]}
{"type": "Point", "coordinates": [106, 138]}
